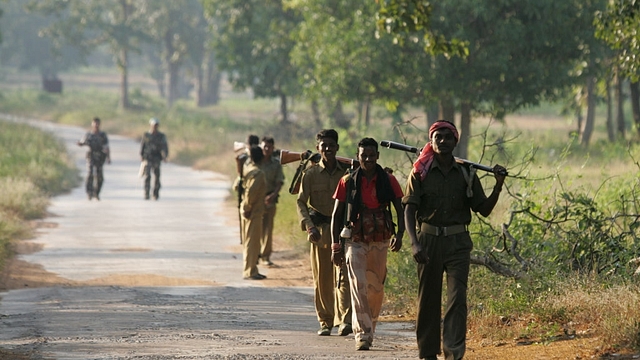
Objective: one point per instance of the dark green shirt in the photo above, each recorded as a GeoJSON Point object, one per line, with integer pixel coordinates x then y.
{"type": "Point", "coordinates": [441, 199]}
{"type": "Point", "coordinates": [154, 147]}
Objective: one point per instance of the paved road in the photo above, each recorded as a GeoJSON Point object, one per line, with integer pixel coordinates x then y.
{"type": "Point", "coordinates": [161, 279]}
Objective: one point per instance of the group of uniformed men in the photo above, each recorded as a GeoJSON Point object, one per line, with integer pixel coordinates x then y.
{"type": "Point", "coordinates": [346, 212]}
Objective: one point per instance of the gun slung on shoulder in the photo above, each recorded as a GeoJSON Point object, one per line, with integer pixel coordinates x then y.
{"type": "Point", "coordinates": [287, 156]}
{"type": "Point", "coordinates": [412, 149]}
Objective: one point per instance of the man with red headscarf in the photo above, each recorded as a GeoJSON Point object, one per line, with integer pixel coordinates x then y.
{"type": "Point", "coordinates": [439, 199]}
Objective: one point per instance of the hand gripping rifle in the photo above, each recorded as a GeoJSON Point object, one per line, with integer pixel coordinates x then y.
{"type": "Point", "coordinates": [412, 149]}
{"type": "Point", "coordinates": [287, 156]}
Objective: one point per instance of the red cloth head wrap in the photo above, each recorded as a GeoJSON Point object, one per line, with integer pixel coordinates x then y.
{"type": "Point", "coordinates": [422, 165]}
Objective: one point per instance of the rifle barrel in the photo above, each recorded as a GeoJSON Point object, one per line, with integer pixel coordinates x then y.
{"type": "Point", "coordinates": [398, 146]}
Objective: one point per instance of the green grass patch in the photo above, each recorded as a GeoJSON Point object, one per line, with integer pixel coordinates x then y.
{"type": "Point", "coordinates": [33, 166]}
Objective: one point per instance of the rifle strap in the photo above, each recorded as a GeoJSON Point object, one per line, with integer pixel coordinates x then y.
{"type": "Point", "coordinates": [468, 177]}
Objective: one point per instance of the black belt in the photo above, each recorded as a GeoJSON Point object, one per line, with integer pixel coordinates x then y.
{"type": "Point", "coordinates": [442, 230]}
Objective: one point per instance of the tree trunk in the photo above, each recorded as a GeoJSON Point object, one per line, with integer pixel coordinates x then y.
{"type": "Point", "coordinates": [172, 69]}
{"type": "Point", "coordinates": [447, 110]}
{"type": "Point", "coordinates": [339, 117]}
{"type": "Point", "coordinates": [200, 100]}
{"type": "Point", "coordinates": [315, 110]}
{"type": "Point", "coordinates": [591, 111]}
{"type": "Point", "coordinates": [635, 104]}
{"type": "Point", "coordinates": [367, 113]}
{"type": "Point", "coordinates": [212, 78]}
{"type": "Point", "coordinates": [124, 79]}
{"type": "Point", "coordinates": [619, 106]}
{"type": "Point", "coordinates": [432, 112]}
{"type": "Point", "coordinates": [284, 112]}
{"type": "Point", "coordinates": [611, 134]}
{"type": "Point", "coordinates": [123, 62]}
{"type": "Point", "coordinates": [462, 150]}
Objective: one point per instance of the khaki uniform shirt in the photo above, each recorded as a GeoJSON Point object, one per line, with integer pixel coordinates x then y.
{"type": "Point", "coordinates": [255, 188]}
{"type": "Point", "coordinates": [316, 191]}
{"type": "Point", "coordinates": [273, 174]}
{"type": "Point", "coordinates": [441, 199]}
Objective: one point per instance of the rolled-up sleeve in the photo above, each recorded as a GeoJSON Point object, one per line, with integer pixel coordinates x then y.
{"type": "Point", "coordinates": [413, 191]}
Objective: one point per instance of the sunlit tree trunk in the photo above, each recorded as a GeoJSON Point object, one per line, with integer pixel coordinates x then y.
{"type": "Point", "coordinates": [591, 111]}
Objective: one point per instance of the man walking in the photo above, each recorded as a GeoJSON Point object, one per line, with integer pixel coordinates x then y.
{"type": "Point", "coordinates": [441, 195]}
{"type": "Point", "coordinates": [98, 144]}
{"type": "Point", "coordinates": [332, 302]}
{"type": "Point", "coordinates": [363, 201]}
{"type": "Point", "coordinates": [153, 150]}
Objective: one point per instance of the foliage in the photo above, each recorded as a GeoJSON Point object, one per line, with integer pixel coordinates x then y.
{"type": "Point", "coordinates": [619, 26]}
{"type": "Point", "coordinates": [253, 45]}
{"type": "Point", "coordinates": [24, 47]}
{"type": "Point", "coordinates": [410, 21]}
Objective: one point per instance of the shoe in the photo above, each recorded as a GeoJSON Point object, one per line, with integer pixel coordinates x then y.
{"type": "Point", "coordinates": [256, 277]}
{"type": "Point", "coordinates": [345, 329]}
{"type": "Point", "coordinates": [266, 262]}
{"type": "Point", "coordinates": [324, 331]}
{"type": "Point", "coordinates": [155, 197]}
{"type": "Point", "coordinates": [362, 345]}
{"type": "Point", "coordinates": [146, 196]}
{"type": "Point", "coordinates": [90, 196]}
{"type": "Point", "coordinates": [97, 197]}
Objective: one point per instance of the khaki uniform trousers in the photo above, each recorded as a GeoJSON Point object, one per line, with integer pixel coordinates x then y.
{"type": "Point", "coordinates": [333, 305]}
{"type": "Point", "coordinates": [266, 244]}
{"type": "Point", "coordinates": [367, 266]}
{"type": "Point", "coordinates": [251, 235]}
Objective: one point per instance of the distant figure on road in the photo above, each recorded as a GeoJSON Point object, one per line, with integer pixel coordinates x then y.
{"type": "Point", "coordinates": [153, 150]}
{"type": "Point", "coordinates": [252, 210]}
{"type": "Point", "coordinates": [274, 176]}
{"type": "Point", "coordinates": [98, 152]}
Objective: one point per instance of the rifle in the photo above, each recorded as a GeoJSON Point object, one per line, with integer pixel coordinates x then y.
{"type": "Point", "coordinates": [287, 156]}
{"type": "Point", "coordinates": [412, 149]}
{"type": "Point", "coordinates": [240, 160]}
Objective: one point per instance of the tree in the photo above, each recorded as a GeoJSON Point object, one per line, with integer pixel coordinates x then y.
{"type": "Point", "coordinates": [88, 24]}
{"type": "Point", "coordinates": [252, 44]}
{"type": "Point", "coordinates": [619, 26]}
{"type": "Point", "coordinates": [340, 58]}
{"type": "Point", "coordinates": [24, 48]}
{"type": "Point", "coordinates": [520, 52]}
{"type": "Point", "coordinates": [178, 27]}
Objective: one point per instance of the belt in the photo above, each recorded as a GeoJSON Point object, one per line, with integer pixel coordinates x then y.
{"type": "Point", "coordinates": [442, 230]}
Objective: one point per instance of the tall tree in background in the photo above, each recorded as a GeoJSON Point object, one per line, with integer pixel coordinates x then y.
{"type": "Point", "coordinates": [174, 25]}
{"type": "Point", "coordinates": [24, 48]}
{"type": "Point", "coordinates": [520, 53]}
{"type": "Point", "coordinates": [253, 44]}
{"type": "Point", "coordinates": [619, 26]}
{"type": "Point", "coordinates": [88, 24]}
